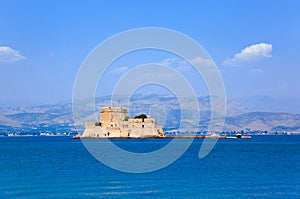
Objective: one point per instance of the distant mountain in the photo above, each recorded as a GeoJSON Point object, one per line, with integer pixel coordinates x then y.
{"type": "Point", "coordinates": [269, 104]}
{"type": "Point", "coordinates": [59, 118]}
{"type": "Point", "coordinates": [264, 121]}
{"type": "Point", "coordinates": [45, 118]}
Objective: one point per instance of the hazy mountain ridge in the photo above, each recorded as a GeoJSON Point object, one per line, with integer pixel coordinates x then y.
{"type": "Point", "coordinates": [264, 121]}
{"type": "Point", "coordinates": [59, 118]}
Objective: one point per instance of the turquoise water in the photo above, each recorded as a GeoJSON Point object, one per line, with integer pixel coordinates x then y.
{"type": "Point", "coordinates": [59, 167]}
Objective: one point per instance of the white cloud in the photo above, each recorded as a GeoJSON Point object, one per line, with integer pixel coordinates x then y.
{"type": "Point", "coordinates": [178, 64]}
{"type": "Point", "coordinates": [256, 71]}
{"type": "Point", "coordinates": [250, 53]}
{"type": "Point", "coordinates": [119, 70]}
{"type": "Point", "coordinates": [170, 61]}
{"type": "Point", "coordinates": [7, 54]}
{"type": "Point", "coordinates": [202, 62]}
{"type": "Point", "coordinates": [198, 61]}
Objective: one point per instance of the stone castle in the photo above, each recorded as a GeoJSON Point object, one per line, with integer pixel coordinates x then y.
{"type": "Point", "coordinates": [115, 123]}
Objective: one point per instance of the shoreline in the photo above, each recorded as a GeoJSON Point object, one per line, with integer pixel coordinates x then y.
{"type": "Point", "coordinates": [169, 137]}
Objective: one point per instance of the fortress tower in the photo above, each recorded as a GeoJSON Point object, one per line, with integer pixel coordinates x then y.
{"type": "Point", "coordinates": [113, 114]}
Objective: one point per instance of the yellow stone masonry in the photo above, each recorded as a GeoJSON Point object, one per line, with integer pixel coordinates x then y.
{"type": "Point", "coordinates": [115, 123]}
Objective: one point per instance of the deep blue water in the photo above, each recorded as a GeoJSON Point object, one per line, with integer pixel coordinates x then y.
{"type": "Point", "coordinates": [59, 167]}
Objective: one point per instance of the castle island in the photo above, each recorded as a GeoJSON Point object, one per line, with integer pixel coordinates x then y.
{"type": "Point", "coordinates": [115, 123]}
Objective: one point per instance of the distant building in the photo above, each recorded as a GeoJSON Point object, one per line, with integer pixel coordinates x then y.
{"type": "Point", "coordinates": [293, 133]}
{"type": "Point", "coordinates": [115, 123]}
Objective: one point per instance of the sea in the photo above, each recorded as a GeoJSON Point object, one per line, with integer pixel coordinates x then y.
{"type": "Point", "coordinates": [61, 167]}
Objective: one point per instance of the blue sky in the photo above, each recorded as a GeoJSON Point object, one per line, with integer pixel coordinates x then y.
{"type": "Point", "coordinates": [255, 44]}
